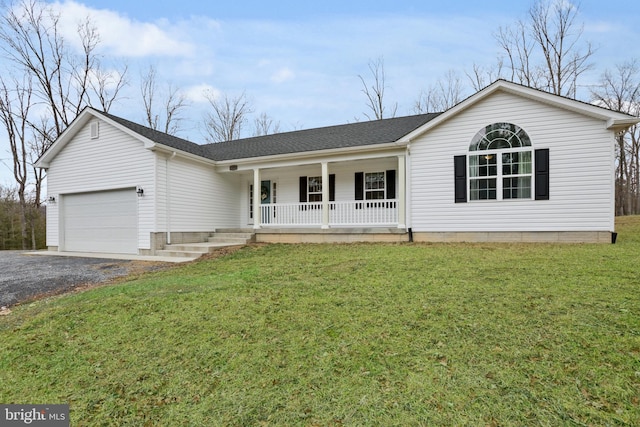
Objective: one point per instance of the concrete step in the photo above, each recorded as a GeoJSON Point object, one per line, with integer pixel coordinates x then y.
{"type": "Point", "coordinates": [179, 254]}
{"type": "Point", "coordinates": [201, 248]}
{"type": "Point", "coordinates": [239, 238]}
{"type": "Point", "coordinates": [196, 250]}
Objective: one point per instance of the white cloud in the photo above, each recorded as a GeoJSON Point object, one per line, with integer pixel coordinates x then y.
{"type": "Point", "coordinates": [198, 93]}
{"type": "Point", "coordinates": [282, 75]}
{"type": "Point", "coordinates": [121, 36]}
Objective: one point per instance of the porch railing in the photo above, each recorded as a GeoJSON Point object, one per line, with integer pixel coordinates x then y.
{"type": "Point", "coordinates": [351, 213]}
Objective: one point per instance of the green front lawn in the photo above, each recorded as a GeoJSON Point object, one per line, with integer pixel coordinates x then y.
{"type": "Point", "coordinates": [359, 334]}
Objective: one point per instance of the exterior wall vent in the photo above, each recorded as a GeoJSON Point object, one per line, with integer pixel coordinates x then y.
{"type": "Point", "coordinates": [95, 130]}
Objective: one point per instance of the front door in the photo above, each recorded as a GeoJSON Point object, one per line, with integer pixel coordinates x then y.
{"type": "Point", "coordinates": [265, 192]}
{"type": "Point", "coordinates": [265, 199]}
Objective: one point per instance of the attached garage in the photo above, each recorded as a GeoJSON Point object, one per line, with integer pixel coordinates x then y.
{"type": "Point", "coordinates": [105, 221]}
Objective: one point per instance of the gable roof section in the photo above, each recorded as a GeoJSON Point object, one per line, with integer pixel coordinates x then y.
{"type": "Point", "coordinates": [326, 138]}
{"type": "Point", "coordinates": [159, 137]}
{"type": "Point", "coordinates": [614, 120]}
{"type": "Point", "coordinates": [142, 133]}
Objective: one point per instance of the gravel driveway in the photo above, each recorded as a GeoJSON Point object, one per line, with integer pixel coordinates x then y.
{"type": "Point", "coordinates": [24, 277]}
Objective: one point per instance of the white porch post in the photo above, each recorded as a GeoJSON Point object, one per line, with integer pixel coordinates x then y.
{"type": "Point", "coordinates": [402, 192]}
{"type": "Point", "coordinates": [325, 195]}
{"type": "Point", "coordinates": [257, 200]}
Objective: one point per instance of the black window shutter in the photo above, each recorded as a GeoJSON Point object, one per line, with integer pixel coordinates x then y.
{"type": "Point", "coordinates": [542, 174]}
{"type": "Point", "coordinates": [460, 174]}
{"type": "Point", "coordinates": [303, 189]}
{"type": "Point", "coordinates": [391, 184]}
{"type": "Point", "coordinates": [359, 185]}
{"type": "Point", "coordinates": [332, 187]}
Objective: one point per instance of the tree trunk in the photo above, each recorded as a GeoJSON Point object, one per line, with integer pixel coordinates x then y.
{"type": "Point", "coordinates": [23, 221]}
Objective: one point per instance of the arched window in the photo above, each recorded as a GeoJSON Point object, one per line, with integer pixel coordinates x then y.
{"type": "Point", "coordinates": [500, 163]}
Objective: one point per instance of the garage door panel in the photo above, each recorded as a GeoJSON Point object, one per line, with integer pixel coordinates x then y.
{"type": "Point", "coordinates": [101, 222]}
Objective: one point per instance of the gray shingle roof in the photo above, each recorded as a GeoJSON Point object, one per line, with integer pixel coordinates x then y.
{"type": "Point", "coordinates": [325, 138]}
{"type": "Point", "coordinates": [160, 137]}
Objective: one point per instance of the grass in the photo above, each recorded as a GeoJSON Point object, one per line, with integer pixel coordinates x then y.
{"type": "Point", "coordinates": [332, 335]}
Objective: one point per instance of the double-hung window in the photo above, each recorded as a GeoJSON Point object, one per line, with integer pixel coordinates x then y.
{"type": "Point", "coordinates": [500, 163]}
{"type": "Point", "coordinates": [374, 188]}
{"type": "Point", "coordinates": [311, 188]}
{"type": "Point", "coordinates": [314, 189]}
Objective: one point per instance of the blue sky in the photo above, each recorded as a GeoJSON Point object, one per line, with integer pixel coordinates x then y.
{"type": "Point", "coordinates": [299, 61]}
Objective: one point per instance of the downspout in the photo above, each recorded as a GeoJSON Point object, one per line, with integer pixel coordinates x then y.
{"type": "Point", "coordinates": [408, 190]}
{"type": "Point", "coordinates": [168, 196]}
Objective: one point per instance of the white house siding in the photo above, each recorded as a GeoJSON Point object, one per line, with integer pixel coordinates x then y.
{"type": "Point", "coordinates": [200, 200]}
{"type": "Point", "coordinates": [581, 172]}
{"type": "Point", "coordinates": [114, 160]}
{"type": "Point", "coordinates": [53, 221]}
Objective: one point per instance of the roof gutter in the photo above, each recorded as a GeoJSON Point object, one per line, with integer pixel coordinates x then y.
{"type": "Point", "coordinates": [622, 124]}
{"type": "Point", "coordinates": [161, 148]}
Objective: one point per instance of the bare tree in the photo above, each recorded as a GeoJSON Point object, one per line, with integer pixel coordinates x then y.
{"type": "Point", "coordinates": [227, 117]}
{"type": "Point", "coordinates": [15, 103]}
{"type": "Point", "coordinates": [64, 82]}
{"type": "Point", "coordinates": [265, 125]}
{"type": "Point", "coordinates": [482, 77]}
{"type": "Point", "coordinates": [96, 86]}
{"type": "Point", "coordinates": [106, 87]}
{"type": "Point", "coordinates": [518, 48]}
{"type": "Point", "coordinates": [547, 51]}
{"type": "Point", "coordinates": [443, 95]}
{"type": "Point", "coordinates": [375, 93]}
{"type": "Point", "coordinates": [620, 91]}
{"type": "Point", "coordinates": [173, 102]}
{"type": "Point", "coordinates": [38, 144]}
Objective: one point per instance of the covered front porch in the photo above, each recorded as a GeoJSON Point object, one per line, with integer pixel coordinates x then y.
{"type": "Point", "coordinates": [360, 195]}
{"type": "Point", "coordinates": [371, 213]}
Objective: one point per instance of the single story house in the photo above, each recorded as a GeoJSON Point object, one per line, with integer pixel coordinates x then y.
{"type": "Point", "coordinates": [509, 163]}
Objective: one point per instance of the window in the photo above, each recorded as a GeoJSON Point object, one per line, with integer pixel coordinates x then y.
{"type": "Point", "coordinates": [374, 185]}
{"type": "Point", "coordinates": [250, 201]}
{"type": "Point", "coordinates": [274, 193]}
{"type": "Point", "coordinates": [314, 189]}
{"type": "Point", "coordinates": [311, 188]}
{"type": "Point", "coordinates": [500, 163]}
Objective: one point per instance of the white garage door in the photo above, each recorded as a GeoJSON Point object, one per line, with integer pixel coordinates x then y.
{"type": "Point", "coordinates": [105, 221]}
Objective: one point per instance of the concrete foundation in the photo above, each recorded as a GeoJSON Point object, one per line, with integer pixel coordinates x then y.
{"type": "Point", "coordinates": [517, 236]}
{"type": "Point", "coordinates": [391, 235]}
{"type": "Point", "coordinates": [334, 235]}
{"type": "Point", "coordinates": [159, 240]}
